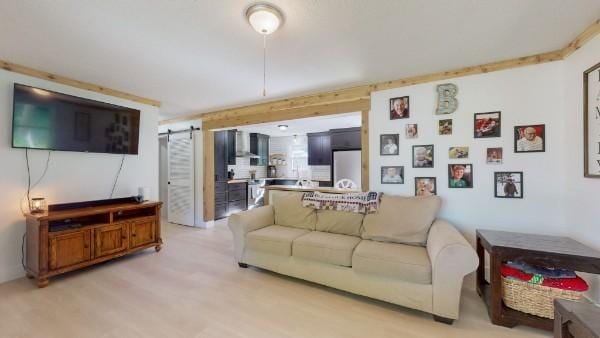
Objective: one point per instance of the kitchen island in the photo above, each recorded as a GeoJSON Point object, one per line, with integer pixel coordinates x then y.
{"type": "Point", "coordinates": [329, 190]}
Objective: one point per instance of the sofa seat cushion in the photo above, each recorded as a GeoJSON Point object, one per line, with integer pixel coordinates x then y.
{"type": "Point", "coordinates": [289, 211]}
{"type": "Point", "coordinates": [274, 239]}
{"type": "Point", "coordinates": [405, 262]}
{"type": "Point", "coordinates": [404, 220]}
{"type": "Point", "coordinates": [325, 247]}
{"type": "Point", "coordinates": [339, 222]}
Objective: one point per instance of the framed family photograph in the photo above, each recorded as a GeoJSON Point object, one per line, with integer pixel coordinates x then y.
{"type": "Point", "coordinates": [392, 175]}
{"type": "Point", "coordinates": [412, 131]}
{"type": "Point", "coordinates": [423, 156]}
{"type": "Point", "coordinates": [425, 186]}
{"type": "Point", "coordinates": [530, 138]}
{"type": "Point", "coordinates": [458, 152]}
{"type": "Point", "coordinates": [460, 176]}
{"type": "Point", "coordinates": [591, 122]}
{"type": "Point", "coordinates": [508, 184]}
{"type": "Point", "coordinates": [389, 144]}
{"type": "Point", "coordinates": [487, 125]}
{"type": "Point", "coordinates": [399, 108]}
{"type": "Point", "coordinates": [445, 127]}
{"type": "Point", "coordinates": [493, 156]}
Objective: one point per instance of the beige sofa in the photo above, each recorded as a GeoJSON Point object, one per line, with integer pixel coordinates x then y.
{"type": "Point", "coordinates": [401, 254]}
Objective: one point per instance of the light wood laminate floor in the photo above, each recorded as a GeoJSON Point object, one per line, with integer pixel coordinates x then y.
{"type": "Point", "coordinates": [193, 288]}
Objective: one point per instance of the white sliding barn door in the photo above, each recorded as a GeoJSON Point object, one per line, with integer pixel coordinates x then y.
{"type": "Point", "coordinates": [181, 179]}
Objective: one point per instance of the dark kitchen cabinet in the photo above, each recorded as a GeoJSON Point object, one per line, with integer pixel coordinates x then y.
{"type": "Point", "coordinates": [345, 139]}
{"type": "Point", "coordinates": [231, 147]}
{"type": "Point", "coordinates": [259, 145]}
{"type": "Point", "coordinates": [221, 156]}
{"type": "Point", "coordinates": [319, 149]}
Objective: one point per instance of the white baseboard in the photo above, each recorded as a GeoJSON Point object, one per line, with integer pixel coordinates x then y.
{"type": "Point", "coordinates": [205, 224]}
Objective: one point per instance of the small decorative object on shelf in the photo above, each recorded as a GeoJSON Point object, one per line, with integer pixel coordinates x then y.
{"type": "Point", "coordinates": [37, 205]}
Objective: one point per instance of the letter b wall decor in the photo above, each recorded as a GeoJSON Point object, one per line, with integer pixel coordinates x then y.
{"type": "Point", "coordinates": [447, 102]}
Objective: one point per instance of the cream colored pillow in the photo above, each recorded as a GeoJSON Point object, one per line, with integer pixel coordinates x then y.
{"type": "Point", "coordinates": [290, 212]}
{"type": "Point", "coordinates": [339, 222]}
{"type": "Point", "coordinates": [402, 219]}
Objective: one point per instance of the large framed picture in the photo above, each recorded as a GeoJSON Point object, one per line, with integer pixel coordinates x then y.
{"type": "Point", "coordinates": [399, 108]}
{"type": "Point", "coordinates": [508, 184]}
{"type": "Point", "coordinates": [486, 125]}
{"type": "Point", "coordinates": [389, 144]}
{"type": "Point", "coordinates": [591, 122]}
{"type": "Point", "coordinates": [392, 175]}
{"type": "Point", "coordinates": [530, 139]}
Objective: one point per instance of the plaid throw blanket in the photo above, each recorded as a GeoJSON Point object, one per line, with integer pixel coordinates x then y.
{"type": "Point", "coordinates": [358, 202]}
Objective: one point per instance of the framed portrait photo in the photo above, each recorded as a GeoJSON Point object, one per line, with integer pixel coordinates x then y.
{"type": "Point", "coordinates": [392, 175]}
{"type": "Point", "coordinates": [493, 156]}
{"type": "Point", "coordinates": [422, 156]}
{"type": "Point", "coordinates": [458, 152]}
{"type": "Point", "coordinates": [425, 186]}
{"type": "Point", "coordinates": [460, 176]}
{"type": "Point", "coordinates": [389, 144]}
{"type": "Point", "coordinates": [399, 108]}
{"type": "Point", "coordinates": [445, 127]}
{"type": "Point", "coordinates": [508, 184]}
{"type": "Point", "coordinates": [591, 122]}
{"type": "Point", "coordinates": [411, 131]}
{"type": "Point", "coordinates": [486, 125]}
{"type": "Point", "coordinates": [530, 138]}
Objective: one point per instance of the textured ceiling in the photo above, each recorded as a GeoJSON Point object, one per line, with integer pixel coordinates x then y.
{"type": "Point", "coordinates": [198, 56]}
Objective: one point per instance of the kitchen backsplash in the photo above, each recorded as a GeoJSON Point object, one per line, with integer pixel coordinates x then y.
{"type": "Point", "coordinates": [242, 168]}
{"type": "Point", "coordinates": [294, 151]}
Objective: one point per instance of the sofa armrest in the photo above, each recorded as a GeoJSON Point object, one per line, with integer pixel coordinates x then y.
{"type": "Point", "coordinates": [244, 222]}
{"type": "Point", "coordinates": [452, 258]}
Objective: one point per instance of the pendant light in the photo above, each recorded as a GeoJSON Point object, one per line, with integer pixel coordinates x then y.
{"type": "Point", "coordinates": [265, 19]}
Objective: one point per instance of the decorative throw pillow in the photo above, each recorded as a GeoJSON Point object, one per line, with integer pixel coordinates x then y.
{"type": "Point", "coordinates": [403, 220]}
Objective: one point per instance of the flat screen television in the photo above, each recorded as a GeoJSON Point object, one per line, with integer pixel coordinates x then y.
{"type": "Point", "coordinates": [48, 120]}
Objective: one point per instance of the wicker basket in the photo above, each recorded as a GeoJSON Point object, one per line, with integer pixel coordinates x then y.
{"type": "Point", "coordinates": [532, 298]}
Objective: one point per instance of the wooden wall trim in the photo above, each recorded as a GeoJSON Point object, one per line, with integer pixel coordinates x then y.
{"type": "Point", "coordinates": [363, 92]}
{"type": "Point", "coordinates": [208, 189]}
{"type": "Point", "coordinates": [15, 68]}
{"type": "Point", "coordinates": [364, 140]}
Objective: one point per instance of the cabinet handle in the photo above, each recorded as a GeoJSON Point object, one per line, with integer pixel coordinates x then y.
{"type": "Point", "coordinates": [123, 237]}
{"type": "Point", "coordinates": [133, 235]}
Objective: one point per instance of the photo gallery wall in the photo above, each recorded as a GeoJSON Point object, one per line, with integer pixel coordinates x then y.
{"type": "Point", "coordinates": [507, 184]}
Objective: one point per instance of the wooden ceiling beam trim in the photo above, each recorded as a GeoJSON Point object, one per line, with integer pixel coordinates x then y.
{"type": "Point", "coordinates": [582, 39]}
{"type": "Point", "coordinates": [288, 114]}
{"type": "Point", "coordinates": [15, 68]}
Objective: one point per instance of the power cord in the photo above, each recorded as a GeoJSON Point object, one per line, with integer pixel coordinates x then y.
{"type": "Point", "coordinates": [112, 192]}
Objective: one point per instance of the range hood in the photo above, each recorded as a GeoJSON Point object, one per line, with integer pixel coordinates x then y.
{"type": "Point", "coordinates": [242, 145]}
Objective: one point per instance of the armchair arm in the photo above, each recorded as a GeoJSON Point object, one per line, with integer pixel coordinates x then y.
{"type": "Point", "coordinates": [452, 258]}
{"type": "Point", "coordinates": [244, 222]}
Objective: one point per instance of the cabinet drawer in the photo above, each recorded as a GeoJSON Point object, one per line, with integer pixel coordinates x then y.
{"type": "Point", "coordinates": [220, 186]}
{"type": "Point", "coordinates": [237, 206]}
{"type": "Point", "coordinates": [110, 239]}
{"type": "Point", "coordinates": [237, 195]}
{"type": "Point", "coordinates": [220, 197]}
{"type": "Point", "coordinates": [69, 249]}
{"type": "Point", "coordinates": [220, 210]}
{"type": "Point", "coordinates": [237, 186]}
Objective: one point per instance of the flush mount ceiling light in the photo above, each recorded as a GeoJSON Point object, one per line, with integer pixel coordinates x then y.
{"type": "Point", "coordinates": [282, 127]}
{"type": "Point", "coordinates": [265, 19]}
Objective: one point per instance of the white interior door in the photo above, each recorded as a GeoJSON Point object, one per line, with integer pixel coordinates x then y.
{"type": "Point", "coordinates": [181, 179]}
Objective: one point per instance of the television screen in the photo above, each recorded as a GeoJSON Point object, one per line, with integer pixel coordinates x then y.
{"type": "Point", "coordinates": [43, 119]}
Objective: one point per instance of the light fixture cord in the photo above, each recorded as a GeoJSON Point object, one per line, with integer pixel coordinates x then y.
{"type": "Point", "coordinates": [264, 65]}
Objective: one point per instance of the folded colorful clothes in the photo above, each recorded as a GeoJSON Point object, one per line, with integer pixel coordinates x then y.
{"type": "Point", "coordinates": [545, 272]}
{"type": "Point", "coordinates": [573, 284]}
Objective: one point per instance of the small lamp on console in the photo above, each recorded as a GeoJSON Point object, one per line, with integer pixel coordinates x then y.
{"type": "Point", "coordinates": [37, 205]}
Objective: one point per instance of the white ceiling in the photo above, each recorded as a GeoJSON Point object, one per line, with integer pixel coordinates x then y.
{"type": "Point", "coordinates": [201, 55]}
{"type": "Point", "coordinates": [306, 125]}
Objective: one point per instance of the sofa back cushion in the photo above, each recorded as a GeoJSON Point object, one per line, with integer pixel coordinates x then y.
{"type": "Point", "coordinates": [339, 222]}
{"type": "Point", "coordinates": [289, 211]}
{"type": "Point", "coordinates": [403, 220]}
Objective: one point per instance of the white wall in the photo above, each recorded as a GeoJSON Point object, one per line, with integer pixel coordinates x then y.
{"type": "Point", "coordinates": [557, 198]}
{"type": "Point", "coordinates": [71, 176]}
{"type": "Point", "coordinates": [582, 195]}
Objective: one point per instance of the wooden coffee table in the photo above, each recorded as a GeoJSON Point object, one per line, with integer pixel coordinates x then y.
{"type": "Point", "coordinates": [576, 319]}
{"type": "Point", "coordinates": [550, 251]}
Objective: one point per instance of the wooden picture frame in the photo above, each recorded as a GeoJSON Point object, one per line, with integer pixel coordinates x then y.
{"type": "Point", "coordinates": [591, 103]}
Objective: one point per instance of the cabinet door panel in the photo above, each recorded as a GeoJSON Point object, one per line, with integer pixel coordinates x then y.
{"type": "Point", "coordinates": [69, 249]}
{"type": "Point", "coordinates": [110, 239]}
{"type": "Point", "coordinates": [142, 233]}
{"type": "Point", "coordinates": [325, 150]}
{"type": "Point", "coordinates": [314, 149]}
